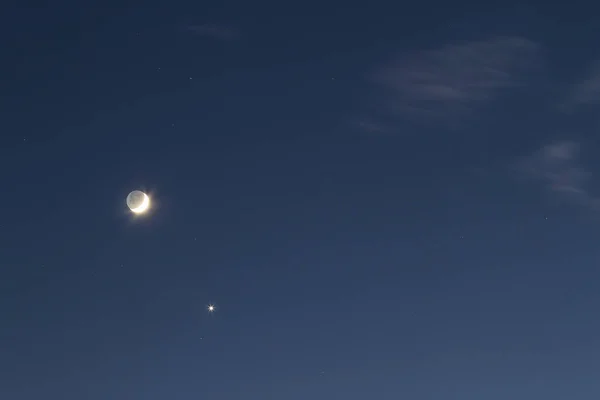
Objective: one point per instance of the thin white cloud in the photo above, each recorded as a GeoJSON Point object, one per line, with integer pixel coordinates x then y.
{"type": "Point", "coordinates": [455, 79]}
{"type": "Point", "coordinates": [585, 92]}
{"type": "Point", "coordinates": [558, 167]}
{"type": "Point", "coordinates": [372, 127]}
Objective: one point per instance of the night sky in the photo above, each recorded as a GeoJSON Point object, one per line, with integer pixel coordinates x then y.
{"type": "Point", "coordinates": [384, 201]}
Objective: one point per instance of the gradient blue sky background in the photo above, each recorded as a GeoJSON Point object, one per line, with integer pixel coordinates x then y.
{"type": "Point", "coordinates": [385, 201]}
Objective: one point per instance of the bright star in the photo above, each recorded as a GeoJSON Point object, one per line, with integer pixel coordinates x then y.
{"type": "Point", "coordinates": [211, 308]}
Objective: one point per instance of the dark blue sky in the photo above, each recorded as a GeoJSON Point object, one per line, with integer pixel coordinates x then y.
{"type": "Point", "coordinates": [384, 201]}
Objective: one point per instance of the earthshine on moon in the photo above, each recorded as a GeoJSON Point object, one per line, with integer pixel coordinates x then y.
{"type": "Point", "coordinates": [138, 202]}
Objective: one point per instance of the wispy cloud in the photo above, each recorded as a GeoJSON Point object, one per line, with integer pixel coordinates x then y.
{"type": "Point", "coordinates": [559, 168]}
{"type": "Point", "coordinates": [370, 126]}
{"type": "Point", "coordinates": [215, 31]}
{"type": "Point", "coordinates": [586, 91]}
{"type": "Point", "coordinates": [455, 79]}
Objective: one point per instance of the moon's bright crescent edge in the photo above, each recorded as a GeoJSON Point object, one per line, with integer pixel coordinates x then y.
{"type": "Point", "coordinates": [142, 207]}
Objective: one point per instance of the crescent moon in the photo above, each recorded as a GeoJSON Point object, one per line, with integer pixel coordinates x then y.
{"type": "Point", "coordinates": [142, 207]}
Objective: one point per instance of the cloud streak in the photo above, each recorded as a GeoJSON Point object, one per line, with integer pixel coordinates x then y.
{"type": "Point", "coordinates": [454, 79]}
{"type": "Point", "coordinates": [447, 84]}
{"type": "Point", "coordinates": [558, 167]}
{"type": "Point", "coordinates": [586, 92]}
